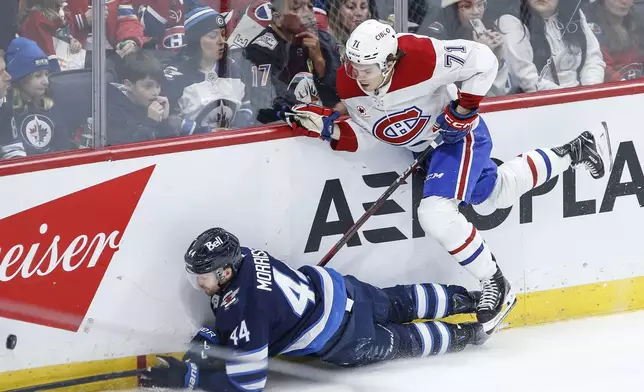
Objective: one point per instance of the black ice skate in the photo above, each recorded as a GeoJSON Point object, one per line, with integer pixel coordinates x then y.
{"type": "Point", "coordinates": [590, 149]}
{"type": "Point", "coordinates": [466, 333]}
{"type": "Point", "coordinates": [465, 303]}
{"type": "Point", "coordinates": [497, 300]}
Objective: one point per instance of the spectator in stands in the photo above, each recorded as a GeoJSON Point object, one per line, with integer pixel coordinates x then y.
{"type": "Point", "coordinates": [10, 143]}
{"type": "Point", "coordinates": [300, 59]}
{"type": "Point", "coordinates": [244, 23]}
{"type": "Point", "coordinates": [136, 110]}
{"type": "Point", "coordinates": [620, 31]}
{"type": "Point", "coordinates": [551, 46]}
{"type": "Point", "coordinates": [41, 125]}
{"type": "Point", "coordinates": [45, 22]}
{"type": "Point", "coordinates": [124, 30]}
{"type": "Point", "coordinates": [346, 15]}
{"type": "Point", "coordinates": [163, 22]}
{"type": "Point", "coordinates": [8, 22]}
{"type": "Point", "coordinates": [204, 85]}
{"type": "Point", "coordinates": [458, 21]}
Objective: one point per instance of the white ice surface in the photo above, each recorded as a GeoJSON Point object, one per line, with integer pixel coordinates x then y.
{"type": "Point", "coordinates": [602, 354]}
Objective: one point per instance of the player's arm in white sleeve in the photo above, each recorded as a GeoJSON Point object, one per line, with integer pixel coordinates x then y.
{"type": "Point", "coordinates": [593, 69]}
{"type": "Point", "coordinates": [471, 63]}
{"type": "Point", "coordinates": [248, 338]}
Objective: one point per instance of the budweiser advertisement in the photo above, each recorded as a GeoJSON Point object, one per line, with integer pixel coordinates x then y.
{"type": "Point", "coordinates": [53, 256]}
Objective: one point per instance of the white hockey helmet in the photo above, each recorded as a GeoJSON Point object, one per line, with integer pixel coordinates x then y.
{"type": "Point", "coordinates": [370, 43]}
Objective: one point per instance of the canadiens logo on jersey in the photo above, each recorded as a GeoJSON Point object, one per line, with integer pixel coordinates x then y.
{"type": "Point", "coordinates": [37, 130]}
{"type": "Point", "coordinates": [402, 127]}
{"type": "Point", "coordinates": [173, 38]}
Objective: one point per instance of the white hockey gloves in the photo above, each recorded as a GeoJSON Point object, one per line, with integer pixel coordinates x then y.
{"type": "Point", "coordinates": [313, 121]}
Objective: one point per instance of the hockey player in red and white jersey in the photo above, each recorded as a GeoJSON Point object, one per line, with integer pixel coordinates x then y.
{"type": "Point", "coordinates": [399, 89]}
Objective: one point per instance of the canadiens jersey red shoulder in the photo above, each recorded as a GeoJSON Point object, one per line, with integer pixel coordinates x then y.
{"type": "Point", "coordinates": [402, 112]}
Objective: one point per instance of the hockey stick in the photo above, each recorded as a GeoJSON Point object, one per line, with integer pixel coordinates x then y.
{"type": "Point", "coordinates": [381, 200]}
{"type": "Point", "coordinates": [339, 378]}
{"type": "Point", "coordinates": [79, 381]}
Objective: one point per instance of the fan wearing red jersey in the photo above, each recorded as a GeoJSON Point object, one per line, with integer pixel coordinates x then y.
{"type": "Point", "coordinates": [399, 89]}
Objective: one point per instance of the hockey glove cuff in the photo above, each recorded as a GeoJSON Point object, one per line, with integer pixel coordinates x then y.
{"type": "Point", "coordinates": [454, 126]}
{"type": "Point", "coordinates": [171, 373]}
{"type": "Point", "coordinates": [315, 121]}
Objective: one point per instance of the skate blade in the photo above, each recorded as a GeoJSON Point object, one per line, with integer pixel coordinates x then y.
{"type": "Point", "coordinates": [606, 148]}
{"type": "Point", "coordinates": [510, 301]}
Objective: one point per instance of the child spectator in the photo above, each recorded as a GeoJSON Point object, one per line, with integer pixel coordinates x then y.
{"type": "Point", "coordinates": [44, 22]}
{"type": "Point", "coordinates": [620, 31]}
{"type": "Point", "coordinates": [300, 59]}
{"type": "Point", "coordinates": [39, 122]}
{"type": "Point", "coordinates": [551, 46]}
{"type": "Point", "coordinates": [10, 143]}
{"type": "Point", "coordinates": [204, 85]}
{"type": "Point", "coordinates": [136, 110]}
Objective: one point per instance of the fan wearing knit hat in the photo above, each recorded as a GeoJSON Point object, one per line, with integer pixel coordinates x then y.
{"type": "Point", "coordinates": [205, 31]}
{"type": "Point", "coordinates": [41, 124]}
{"type": "Point", "coordinates": [204, 85]}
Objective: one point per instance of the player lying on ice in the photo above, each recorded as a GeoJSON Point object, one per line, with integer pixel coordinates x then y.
{"type": "Point", "coordinates": [264, 308]}
{"type": "Point", "coordinates": [394, 87]}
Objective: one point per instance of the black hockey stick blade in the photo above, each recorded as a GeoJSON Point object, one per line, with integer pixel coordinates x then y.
{"type": "Point", "coordinates": [79, 381]}
{"type": "Point", "coordinates": [381, 200]}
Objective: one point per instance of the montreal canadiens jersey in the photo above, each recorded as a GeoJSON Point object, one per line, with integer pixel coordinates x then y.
{"type": "Point", "coordinates": [270, 309]}
{"type": "Point", "coordinates": [403, 112]}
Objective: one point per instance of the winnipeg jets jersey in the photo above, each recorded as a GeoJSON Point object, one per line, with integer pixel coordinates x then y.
{"type": "Point", "coordinates": [403, 112]}
{"type": "Point", "coordinates": [270, 309]}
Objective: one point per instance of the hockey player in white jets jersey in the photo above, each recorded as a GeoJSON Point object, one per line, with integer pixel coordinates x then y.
{"type": "Point", "coordinates": [395, 86]}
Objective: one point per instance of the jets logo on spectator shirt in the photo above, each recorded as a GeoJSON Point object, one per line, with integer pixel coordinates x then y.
{"type": "Point", "coordinates": [37, 131]}
{"type": "Point", "coordinates": [402, 127]}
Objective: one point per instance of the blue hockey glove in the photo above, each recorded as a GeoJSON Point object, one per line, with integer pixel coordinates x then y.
{"type": "Point", "coordinates": [454, 126]}
{"type": "Point", "coordinates": [171, 373]}
{"type": "Point", "coordinates": [199, 352]}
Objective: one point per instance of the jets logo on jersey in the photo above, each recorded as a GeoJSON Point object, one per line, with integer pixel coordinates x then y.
{"type": "Point", "coordinates": [37, 131]}
{"type": "Point", "coordinates": [401, 127]}
{"type": "Point", "coordinates": [230, 299]}
{"type": "Point", "coordinates": [171, 72]}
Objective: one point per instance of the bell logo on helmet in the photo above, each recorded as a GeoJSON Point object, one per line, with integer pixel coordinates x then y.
{"type": "Point", "coordinates": [212, 245]}
{"type": "Point", "coordinates": [53, 256]}
{"type": "Point", "coordinates": [402, 127]}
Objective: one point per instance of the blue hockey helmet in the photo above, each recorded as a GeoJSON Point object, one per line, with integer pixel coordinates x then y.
{"type": "Point", "coordinates": [214, 250]}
